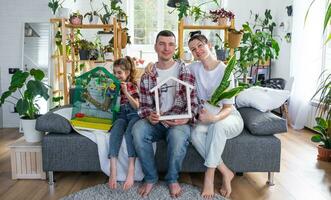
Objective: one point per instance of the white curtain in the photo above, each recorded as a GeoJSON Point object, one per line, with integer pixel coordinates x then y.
{"type": "Point", "coordinates": [306, 57]}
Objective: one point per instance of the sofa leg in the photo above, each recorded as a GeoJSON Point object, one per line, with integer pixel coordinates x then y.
{"type": "Point", "coordinates": [270, 181]}
{"type": "Point", "coordinates": [50, 177]}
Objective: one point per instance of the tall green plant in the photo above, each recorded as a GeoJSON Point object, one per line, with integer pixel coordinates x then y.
{"type": "Point", "coordinates": [30, 86]}
{"type": "Point", "coordinates": [256, 46]}
{"type": "Point", "coordinates": [327, 18]}
{"type": "Point", "coordinates": [323, 120]}
{"type": "Point", "coordinates": [222, 91]}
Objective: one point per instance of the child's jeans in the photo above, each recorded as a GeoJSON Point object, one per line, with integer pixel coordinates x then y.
{"type": "Point", "coordinates": [127, 117]}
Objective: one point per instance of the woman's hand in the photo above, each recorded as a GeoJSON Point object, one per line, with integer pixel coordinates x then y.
{"type": "Point", "coordinates": [148, 68]}
{"type": "Point", "coordinates": [205, 117]}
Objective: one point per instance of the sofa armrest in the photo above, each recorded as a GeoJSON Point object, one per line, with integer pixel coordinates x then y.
{"type": "Point", "coordinates": [262, 123]}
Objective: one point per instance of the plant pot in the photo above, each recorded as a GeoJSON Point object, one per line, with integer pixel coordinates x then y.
{"type": "Point", "coordinates": [124, 39]}
{"type": "Point", "coordinates": [94, 19]}
{"type": "Point", "coordinates": [94, 54]}
{"type": "Point", "coordinates": [30, 132]}
{"type": "Point", "coordinates": [234, 39]}
{"type": "Point", "coordinates": [324, 154]}
{"type": "Point", "coordinates": [109, 56]}
{"type": "Point", "coordinates": [84, 54]}
{"type": "Point", "coordinates": [187, 56]}
{"type": "Point", "coordinates": [63, 13]}
{"type": "Point", "coordinates": [222, 21]}
{"type": "Point", "coordinates": [221, 54]}
{"type": "Point", "coordinates": [188, 20]}
{"type": "Point", "coordinates": [76, 20]}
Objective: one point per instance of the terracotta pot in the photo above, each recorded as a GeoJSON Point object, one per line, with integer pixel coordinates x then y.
{"type": "Point", "coordinates": [124, 39]}
{"type": "Point", "coordinates": [324, 154]}
{"type": "Point", "coordinates": [76, 20]}
{"type": "Point", "coordinates": [234, 39]}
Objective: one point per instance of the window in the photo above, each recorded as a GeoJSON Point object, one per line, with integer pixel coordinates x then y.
{"type": "Point", "coordinates": [148, 18]}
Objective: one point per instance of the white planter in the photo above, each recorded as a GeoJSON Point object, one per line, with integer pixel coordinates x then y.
{"type": "Point", "coordinates": [63, 13]}
{"type": "Point", "coordinates": [109, 56]}
{"type": "Point", "coordinates": [187, 56]}
{"type": "Point", "coordinates": [211, 109]}
{"type": "Point", "coordinates": [30, 132]}
{"type": "Point", "coordinates": [188, 20]}
{"type": "Point", "coordinates": [95, 19]}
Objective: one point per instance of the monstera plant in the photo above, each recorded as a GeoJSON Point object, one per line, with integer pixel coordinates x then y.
{"type": "Point", "coordinates": [29, 86]}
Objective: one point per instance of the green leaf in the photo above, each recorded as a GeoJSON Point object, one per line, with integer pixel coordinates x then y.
{"type": "Point", "coordinates": [327, 17]}
{"type": "Point", "coordinates": [316, 138]}
{"type": "Point", "coordinates": [22, 107]}
{"type": "Point", "coordinates": [321, 122]}
{"type": "Point", "coordinates": [37, 74]}
{"type": "Point", "coordinates": [4, 96]}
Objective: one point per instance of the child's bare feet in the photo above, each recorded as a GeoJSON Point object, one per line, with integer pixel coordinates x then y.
{"type": "Point", "coordinates": [113, 174]}
{"type": "Point", "coordinates": [130, 177]}
{"type": "Point", "coordinates": [112, 183]}
{"type": "Point", "coordinates": [208, 184]}
{"type": "Point", "coordinates": [145, 189]}
{"type": "Point", "coordinates": [175, 190]}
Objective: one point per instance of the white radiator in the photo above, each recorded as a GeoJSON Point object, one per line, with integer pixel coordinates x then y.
{"type": "Point", "coordinates": [310, 123]}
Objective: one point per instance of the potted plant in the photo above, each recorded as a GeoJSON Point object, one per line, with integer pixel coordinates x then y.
{"type": "Point", "coordinates": [254, 47]}
{"type": "Point", "coordinates": [84, 47]}
{"type": "Point", "coordinates": [234, 37]}
{"type": "Point", "coordinates": [219, 48]}
{"type": "Point", "coordinates": [221, 16]}
{"type": "Point", "coordinates": [30, 87]}
{"type": "Point", "coordinates": [56, 7]}
{"type": "Point", "coordinates": [323, 120]}
{"type": "Point", "coordinates": [93, 15]}
{"type": "Point", "coordinates": [76, 18]}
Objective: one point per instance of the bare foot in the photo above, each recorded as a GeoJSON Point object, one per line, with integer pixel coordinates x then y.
{"type": "Point", "coordinates": [208, 189]}
{"type": "Point", "coordinates": [128, 182]}
{"type": "Point", "coordinates": [130, 177]}
{"type": "Point", "coordinates": [112, 183]}
{"type": "Point", "coordinates": [175, 190]}
{"type": "Point", "coordinates": [226, 184]}
{"type": "Point", "coordinates": [145, 189]}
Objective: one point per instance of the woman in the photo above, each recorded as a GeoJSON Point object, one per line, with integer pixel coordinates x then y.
{"type": "Point", "coordinates": [215, 124]}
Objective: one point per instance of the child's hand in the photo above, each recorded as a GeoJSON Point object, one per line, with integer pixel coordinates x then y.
{"type": "Point", "coordinates": [124, 88]}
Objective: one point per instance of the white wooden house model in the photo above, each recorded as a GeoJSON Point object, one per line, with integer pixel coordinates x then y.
{"type": "Point", "coordinates": [157, 101]}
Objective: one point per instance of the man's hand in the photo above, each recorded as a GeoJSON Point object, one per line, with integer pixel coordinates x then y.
{"type": "Point", "coordinates": [148, 68]}
{"type": "Point", "coordinates": [153, 118]}
{"type": "Point", "coordinates": [176, 122]}
{"type": "Point", "coordinates": [205, 117]}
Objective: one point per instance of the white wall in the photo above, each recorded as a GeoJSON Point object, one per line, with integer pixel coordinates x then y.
{"type": "Point", "coordinates": [12, 16]}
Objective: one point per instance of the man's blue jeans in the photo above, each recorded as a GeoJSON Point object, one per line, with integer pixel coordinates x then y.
{"type": "Point", "coordinates": [177, 137]}
{"type": "Point", "coordinates": [123, 126]}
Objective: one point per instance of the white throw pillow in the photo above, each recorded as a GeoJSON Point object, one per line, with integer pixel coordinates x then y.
{"type": "Point", "coordinates": [261, 98]}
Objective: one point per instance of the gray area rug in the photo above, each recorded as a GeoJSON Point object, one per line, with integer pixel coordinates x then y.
{"type": "Point", "coordinates": [160, 191]}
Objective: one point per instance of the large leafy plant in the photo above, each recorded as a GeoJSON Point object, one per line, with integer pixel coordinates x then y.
{"type": "Point", "coordinates": [30, 86]}
{"type": "Point", "coordinates": [256, 46]}
{"type": "Point", "coordinates": [323, 120]}
{"type": "Point", "coordinates": [223, 91]}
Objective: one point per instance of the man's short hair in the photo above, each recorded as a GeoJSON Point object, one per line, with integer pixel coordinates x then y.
{"type": "Point", "coordinates": [165, 33]}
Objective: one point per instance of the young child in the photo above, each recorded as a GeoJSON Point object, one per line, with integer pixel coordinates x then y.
{"type": "Point", "coordinates": [124, 70]}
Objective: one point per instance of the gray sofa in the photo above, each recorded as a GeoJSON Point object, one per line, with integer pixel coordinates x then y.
{"type": "Point", "coordinates": [256, 149]}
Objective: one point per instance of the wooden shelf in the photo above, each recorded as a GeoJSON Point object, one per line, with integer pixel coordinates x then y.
{"type": "Point", "coordinates": [209, 27]}
{"type": "Point", "coordinates": [91, 26]}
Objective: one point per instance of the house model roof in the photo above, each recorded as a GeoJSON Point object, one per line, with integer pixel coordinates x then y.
{"type": "Point", "coordinates": [171, 78]}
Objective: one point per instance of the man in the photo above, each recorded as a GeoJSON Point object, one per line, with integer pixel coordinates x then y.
{"type": "Point", "coordinates": [173, 100]}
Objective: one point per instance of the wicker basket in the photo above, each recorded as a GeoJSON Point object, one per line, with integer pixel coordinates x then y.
{"type": "Point", "coordinates": [234, 38]}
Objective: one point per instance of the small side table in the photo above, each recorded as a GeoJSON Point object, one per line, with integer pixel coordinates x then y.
{"type": "Point", "coordinates": [26, 160]}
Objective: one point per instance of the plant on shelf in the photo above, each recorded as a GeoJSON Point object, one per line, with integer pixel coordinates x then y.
{"type": "Point", "coordinates": [84, 47]}
{"type": "Point", "coordinates": [54, 5]}
{"type": "Point", "coordinates": [184, 10]}
{"type": "Point", "coordinates": [93, 15]}
{"type": "Point", "coordinates": [255, 47]}
{"type": "Point", "coordinates": [219, 48]}
{"type": "Point", "coordinates": [113, 10]}
{"type": "Point", "coordinates": [265, 23]}
{"type": "Point", "coordinates": [221, 16]}
{"type": "Point", "coordinates": [76, 18]}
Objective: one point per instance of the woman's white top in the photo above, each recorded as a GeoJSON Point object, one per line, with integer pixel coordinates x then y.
{"type": "Point", "coordinates": [208, 80]}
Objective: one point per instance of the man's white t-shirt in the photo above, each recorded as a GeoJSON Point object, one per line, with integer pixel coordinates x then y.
{"type": "Point", "coordinates": [207, 81]}
{"type": "Point", "coordinates": [167, 90]}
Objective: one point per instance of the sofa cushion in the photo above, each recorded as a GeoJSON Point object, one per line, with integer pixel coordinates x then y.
{"type": "Point", "coordinates": [52, 122]}
{"type": "Point", "coordinates": [262, 123]}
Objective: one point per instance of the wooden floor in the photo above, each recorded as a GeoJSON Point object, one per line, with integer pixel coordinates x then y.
{"type": "Point", "coordinates": [301, 176]}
